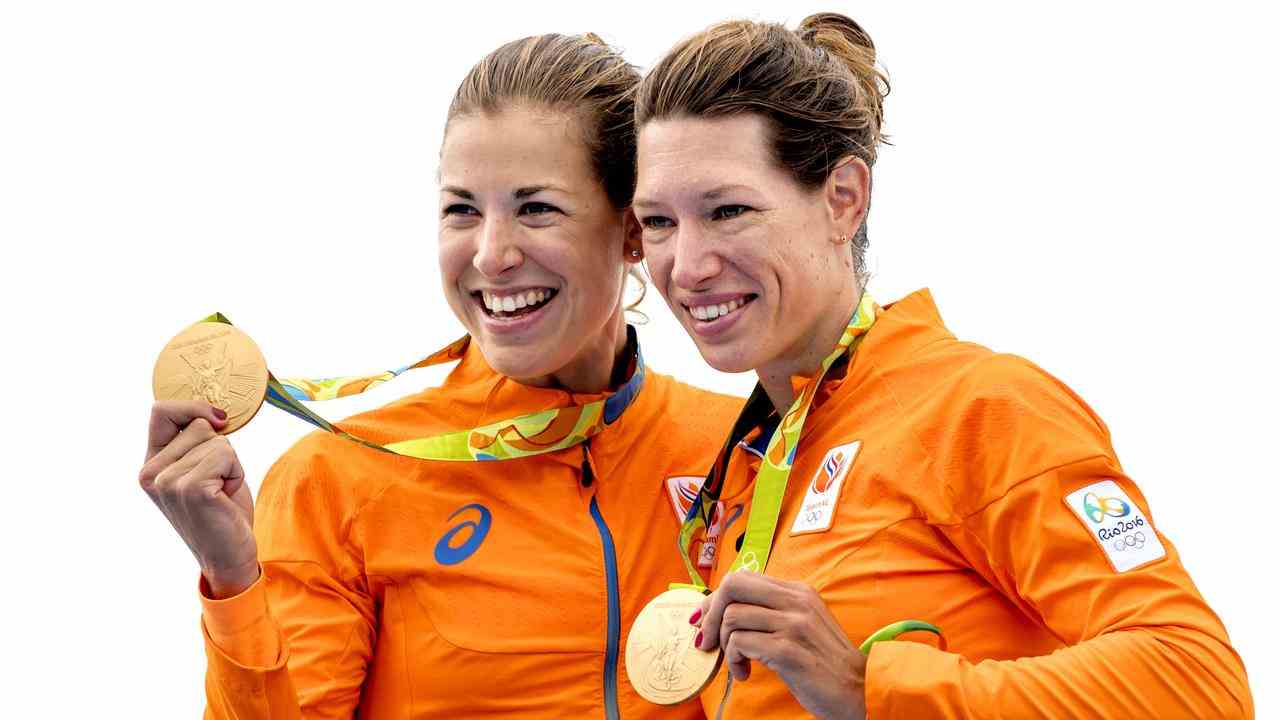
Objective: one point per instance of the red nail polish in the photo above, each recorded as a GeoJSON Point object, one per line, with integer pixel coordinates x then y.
{"type": "Point", "coordinates": [693, 620]}
{"type": "Point", "coordinates": [697, 642]}
{"type": "Point", "coordinates": [220, 413]}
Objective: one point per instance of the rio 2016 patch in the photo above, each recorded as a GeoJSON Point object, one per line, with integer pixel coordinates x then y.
{"type": "Point", "coordinates": [1117, 524]}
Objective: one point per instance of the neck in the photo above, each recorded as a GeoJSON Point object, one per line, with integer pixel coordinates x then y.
{"type": "Point", "coordinates": [592, 370]}
{"type": "Point", "coordinates": [806, 355]}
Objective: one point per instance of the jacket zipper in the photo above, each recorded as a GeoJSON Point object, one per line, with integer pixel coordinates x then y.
{"type": "Point", "coordinates": [611, 588]}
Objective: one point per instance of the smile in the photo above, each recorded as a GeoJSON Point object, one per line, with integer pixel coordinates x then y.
{"type": "Point", "coordinates": [707, 312]}
{"type": "Point", "coordinates": [513, 304]}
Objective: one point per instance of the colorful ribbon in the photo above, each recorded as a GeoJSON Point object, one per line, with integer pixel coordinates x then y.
{"type": "Point", "coordinates": [775, 471]}
{"type": "Point", "coordinates": [775, 467]}
{"type": "Point", "coordinates": [522, 436]}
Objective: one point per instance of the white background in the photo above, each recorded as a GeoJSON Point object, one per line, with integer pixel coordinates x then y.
{"type": "Point", "coordinates": [1087, 184]}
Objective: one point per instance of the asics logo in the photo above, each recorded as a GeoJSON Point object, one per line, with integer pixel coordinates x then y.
{"type": "Point", "coordinates": [451, 550]}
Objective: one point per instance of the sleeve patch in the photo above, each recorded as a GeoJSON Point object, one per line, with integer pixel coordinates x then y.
{"type": "Point", "coordinates": [1125, 535]}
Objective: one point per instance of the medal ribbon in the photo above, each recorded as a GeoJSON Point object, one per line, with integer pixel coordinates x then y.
{"type": "Point", "coordinates": [522, 436]}
{"type": "Point", "coordinates": [774, 472]}
{"type": "Point", "coordinates": [775, 467]}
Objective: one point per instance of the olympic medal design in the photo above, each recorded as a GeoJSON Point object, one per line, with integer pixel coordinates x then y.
{"type": "Point", "coordinates": [662, 663]}
{"type": "Point", "coordinates": [217, 363]}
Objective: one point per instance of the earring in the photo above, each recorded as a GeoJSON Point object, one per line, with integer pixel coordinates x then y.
{"type": "Point", "coordinates": [840, 240]}
{"type": "Point", "coordinates": [635, 253]}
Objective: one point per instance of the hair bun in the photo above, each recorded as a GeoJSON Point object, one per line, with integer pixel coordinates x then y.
{"type": "Point", "coordinates": [839, 37]}
{"type": "Point", "coordinates": [818, 27]}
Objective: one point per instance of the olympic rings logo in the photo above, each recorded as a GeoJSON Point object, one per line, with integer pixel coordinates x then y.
{"type": "Point", "coordinates": [1100, 508]}
{"type": "Point", "coordinates": [749, 561]}
{"type": "Point", "coordinates": [1130, 542]}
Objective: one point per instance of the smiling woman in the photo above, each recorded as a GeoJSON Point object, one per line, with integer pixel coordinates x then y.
{"type": "Point", "coordinates": [935, 479]}
{"type": "Point", "coordinates": [522, 213]}
{"type": "Point", "coordinates": [378, 585]}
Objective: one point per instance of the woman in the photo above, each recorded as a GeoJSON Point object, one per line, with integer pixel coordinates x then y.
{"type": "Point", "coordinates": [933, 479]}
{"type": "Point", "coordinates": [397, 587]}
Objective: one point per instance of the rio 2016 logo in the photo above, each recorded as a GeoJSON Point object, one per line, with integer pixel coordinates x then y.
{"type": "Point", "coordinates": [1100, 508]}
{"type": "Point", "coordinates": [447, 553]}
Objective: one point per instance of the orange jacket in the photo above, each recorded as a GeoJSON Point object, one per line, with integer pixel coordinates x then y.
{"type": "Point", "coordinates": [983, 496]}
{"type": "Point", "coordinates": [397, 588]}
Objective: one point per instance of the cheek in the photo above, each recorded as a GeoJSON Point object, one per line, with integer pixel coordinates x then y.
{"type": "Point", "coordinates": [455, 252]}
{"type": "Point", "coordinates": [657, 261]}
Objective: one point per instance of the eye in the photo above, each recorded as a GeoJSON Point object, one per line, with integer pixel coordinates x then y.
{"type": "Point", "coordinates": [657, 222]}
{"type": "Point", "coordinates": [537, 208]}
{"type": "Point", "coordinates": [728, 212]}
{"type": "Point", "coordinates": [460, 209]}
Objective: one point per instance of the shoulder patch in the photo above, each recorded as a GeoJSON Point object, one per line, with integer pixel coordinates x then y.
{"type": "Point", "coordinates": [818, 510]}
{"type": "Point", "coordinates": [1117, 524]}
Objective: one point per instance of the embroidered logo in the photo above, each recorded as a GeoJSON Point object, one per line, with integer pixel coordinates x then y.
{"type": "Point", "coordinates": [449, 553]}
{"type": "Point", "coordinates": [684, 494]}
{"type": "Point", "coordinates": [1117, 524]}
{"type": "Point", "coordinates": [817, 512]}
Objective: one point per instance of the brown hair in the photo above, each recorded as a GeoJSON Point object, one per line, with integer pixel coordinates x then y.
{"type": "Point", "coordinates": [818, 86]}
{"type": "Point", "coordinates": [580, 75]}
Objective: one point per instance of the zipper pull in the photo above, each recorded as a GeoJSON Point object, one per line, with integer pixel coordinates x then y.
{"type": "Point", "coordinates": [588, 475]}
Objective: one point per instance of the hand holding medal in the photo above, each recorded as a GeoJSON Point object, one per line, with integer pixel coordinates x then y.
{"type": "Point", "coordinates": [749, 617]}
{"type": "Point", "coordinates": [211, 379]}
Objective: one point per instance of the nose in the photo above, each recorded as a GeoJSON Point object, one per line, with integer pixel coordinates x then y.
{"type": "Point", "coordinates": [695, 261]}
{"type": "Point", "coordinates": [497, 250]}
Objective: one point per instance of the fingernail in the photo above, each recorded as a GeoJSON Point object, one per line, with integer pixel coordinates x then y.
{"type": "Point", "coordinates": [697, 642]}
{"type": "Point", "coordinates": [220, 413]}
{"type": "Point", "coordinates": [693, 619]}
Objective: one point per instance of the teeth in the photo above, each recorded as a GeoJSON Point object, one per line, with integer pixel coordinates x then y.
{"type": "Point", "coordinates": [711, 312]}
{"type": "Point", "coordinates": [511, 303]}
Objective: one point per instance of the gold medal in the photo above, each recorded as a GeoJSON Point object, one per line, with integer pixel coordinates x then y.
{"type": "Point", "coordinates": [662, 663]}
{"type": "Point", "coordinates": [217, 363]}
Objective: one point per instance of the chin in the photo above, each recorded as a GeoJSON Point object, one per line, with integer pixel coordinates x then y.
{"type": "Point", "coordinates": [727, 358]}
{"type": "Point", "coordinates": [516, 362]}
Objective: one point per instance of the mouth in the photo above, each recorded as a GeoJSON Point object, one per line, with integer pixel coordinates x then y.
{"type": "Point", "coordinates": [511, 305]}
{"type": "Point", "coordinates": [705, 312]}
{"type": "Point", "coordinates": [712, 316]}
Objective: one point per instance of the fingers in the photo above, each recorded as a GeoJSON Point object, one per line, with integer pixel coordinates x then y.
{"type": "Point", "coordinates": [745, 646]}
{"type": "Point", "coordinates": [198, 476]}
{"type": "Point", "coordinates": [170, 417]}
{"type": "Point", "coordinates": [195, 433]}
{"type": "Point", "coordinates": [222, 462]}
{"type": "Point", "coordinates": [746, 588]}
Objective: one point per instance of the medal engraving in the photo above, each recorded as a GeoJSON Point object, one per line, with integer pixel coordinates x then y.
{"type": "Point", "coordinates": [662, 663]}
{"type": "Point", "coordinates": [216, 363]}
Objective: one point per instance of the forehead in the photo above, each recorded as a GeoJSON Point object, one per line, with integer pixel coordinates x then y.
{"type": "Point", "coordinates": [513, 145]}
{"type": "Point", "coordinates": [695, 150]}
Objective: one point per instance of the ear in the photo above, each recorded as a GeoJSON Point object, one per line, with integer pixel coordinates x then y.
{"type": "Point", "coordinates": [848, 195]}
{"type": "Point", "coordinates": [632, 247]}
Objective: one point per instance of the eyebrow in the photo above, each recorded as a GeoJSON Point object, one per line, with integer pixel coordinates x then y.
{"type": "Point", "coordinates": [712, 194]}
{"type": "Point", "coordinates": [519, 193]}
{"type": "Point", "coordinates": [722, 190]}
{"type": "Point", "coordinates": [525, 192]}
